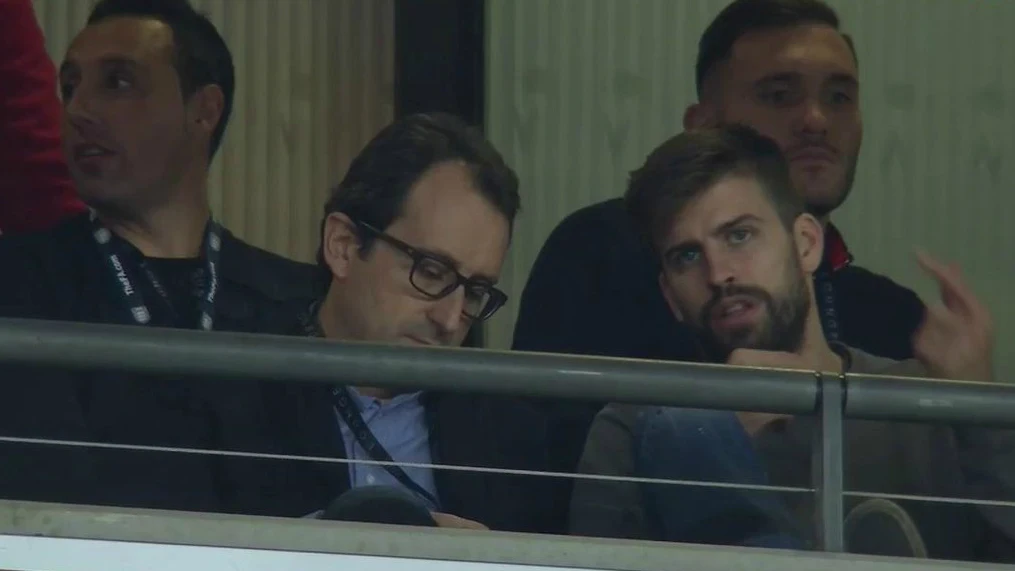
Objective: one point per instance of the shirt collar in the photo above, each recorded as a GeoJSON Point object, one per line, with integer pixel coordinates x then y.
{"type": "Point", "coordinates": [364, 402]}
{"type": "Point", "coordinates": [837, 255]}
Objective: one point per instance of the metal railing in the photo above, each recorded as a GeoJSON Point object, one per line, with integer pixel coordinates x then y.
{"type": "Point", "coordinates": [218, 355]}
{"type": "Point", "coordinates": [81, 538]}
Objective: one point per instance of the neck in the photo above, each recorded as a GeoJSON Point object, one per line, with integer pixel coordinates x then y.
{"type": "Point", "coordinates": [327, 316]}
{"type": "Point", "coordinates": [173, 230]}
{"type": "Point", "coordinates": [816, 351]}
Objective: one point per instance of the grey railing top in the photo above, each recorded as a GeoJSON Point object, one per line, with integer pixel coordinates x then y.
{"type": "Point", "coordinates": [218, 355]}
{"type": "Point", "coordinates": [391, 546]}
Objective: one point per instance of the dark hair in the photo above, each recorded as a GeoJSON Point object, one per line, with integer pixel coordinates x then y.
{"type": "Point", "coordinates": [745, 16]}
{"type": "Point", "coordinates": [201, 56]}
{"type": "Point", "coordinates": [377, 183]}
{"type": "Point", "coordinates": [686, 166]}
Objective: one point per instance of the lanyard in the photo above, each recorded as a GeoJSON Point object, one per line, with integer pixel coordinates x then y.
{"type": "Point", "coordinates": [825, 292]}
{"type": "Point", "coordinates": [132, 298]}
{"type": "Point", "coordinates": [342, 399]}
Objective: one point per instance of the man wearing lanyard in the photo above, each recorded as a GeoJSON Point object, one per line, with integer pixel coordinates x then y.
{"type": "Point", "coordinates": [147, 89]}
{"type": "Point", "coordinates": [737, 250]}
{"type": "Point", "coordinates": [784, 68]}
{"type": "Point", "coordinates": [414, 239]}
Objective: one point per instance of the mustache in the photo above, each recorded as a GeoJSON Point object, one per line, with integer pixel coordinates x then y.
{"type": "Point", "coordinates": [808, 145]}
{"type": "Point", "coordinates": [730, 290]}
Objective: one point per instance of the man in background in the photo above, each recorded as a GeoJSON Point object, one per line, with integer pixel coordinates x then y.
{"type": "Point", "coordinates": [784, 68]}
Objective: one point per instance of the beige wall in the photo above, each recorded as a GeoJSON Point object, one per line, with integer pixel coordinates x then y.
{"type": "Point", "coordinates": [580, 90]}
{"type": "Point", "coordinates": [314, 82]}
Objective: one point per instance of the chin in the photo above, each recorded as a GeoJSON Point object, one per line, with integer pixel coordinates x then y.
{"type": "Point", "coordinates": [100, 197]}
{"type": "Point", "coordinates": [738, 339]}
{"type": "Point", "coordinates": [820, 186]}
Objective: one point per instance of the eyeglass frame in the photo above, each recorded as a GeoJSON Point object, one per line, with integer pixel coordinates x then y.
{"type": "Point", "coordinates": [497, 298]}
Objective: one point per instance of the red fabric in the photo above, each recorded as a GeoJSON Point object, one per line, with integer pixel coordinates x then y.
{"type": "Point", "coordinates": [36, 190]}
{"type": "Point", "coordinates": [836, 253]}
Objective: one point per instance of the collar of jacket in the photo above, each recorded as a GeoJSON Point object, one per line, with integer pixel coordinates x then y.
{"type": "Point", "coordinates": [837, 255]}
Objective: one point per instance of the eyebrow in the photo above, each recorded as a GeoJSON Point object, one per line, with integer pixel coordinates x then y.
{"type": "Point", "coordinates": [720, 229]}
{"type": "Point", "coordinates": [71, 66]}
{"type": "Point", "coordinates": [450, 260]}
{"type": "Point", "coordinates": [790, 76]}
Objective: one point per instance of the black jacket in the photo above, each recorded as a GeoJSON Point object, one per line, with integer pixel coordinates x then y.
{"type": "Point", "coordinates": [465, 430]}
{"type": "Point", "coordinates": [60, 275]}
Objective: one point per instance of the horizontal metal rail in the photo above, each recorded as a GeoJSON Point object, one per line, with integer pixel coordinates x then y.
{"type": "Point", "coordinates": [217, 355]}
{"type": "Point", "coordinates": [389, 547]}
{"type": "Point", "coordinates": [221, 355]}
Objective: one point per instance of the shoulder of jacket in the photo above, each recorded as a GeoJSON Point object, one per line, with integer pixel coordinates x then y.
{"type": "Point", "coordinates": [270, 274]}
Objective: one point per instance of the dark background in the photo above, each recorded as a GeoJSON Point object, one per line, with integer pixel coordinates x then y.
{"type": "Point", "coordinates": [439, 66]}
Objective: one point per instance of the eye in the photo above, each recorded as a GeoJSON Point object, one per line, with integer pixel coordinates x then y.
{"type": "Point", "coordinates": [66, 90]}
{"type": "Point", "coordinates": [681, 260]}
{"type": "Point", "coordinates": [119, 80]}
{"type": "Point", "coordinates": [738, 236]}
{"type": "Point", "coordinates": [476, 293]}
{"type": "Point", "coordinates": [841, 98]}
{"type": "Point", "coordinates": [432, 269]}
{"type": "Point", "coordinates": [779, 95]}
{"type": "Point", "coordinates": [776, 97]}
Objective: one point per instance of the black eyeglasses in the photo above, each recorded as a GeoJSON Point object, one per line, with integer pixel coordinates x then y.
{"type": "Point", "coordinates": [436, 277]}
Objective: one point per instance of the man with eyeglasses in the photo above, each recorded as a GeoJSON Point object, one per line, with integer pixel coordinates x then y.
{"type": "Point", "coordinates": [414, 239]}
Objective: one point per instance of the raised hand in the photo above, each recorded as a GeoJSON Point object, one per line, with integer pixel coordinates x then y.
{"type": "Point", "coordinates": [956, 338]}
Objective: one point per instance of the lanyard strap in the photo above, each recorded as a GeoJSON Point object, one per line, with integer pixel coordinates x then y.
{"type": "Point", "coordinates": [374, 449]}
{"type": "Point", "coordinates": [825, 292]}
{"type": "Point", "coordinates": [343, 401]}
{"type": "Point", "coordinates": [132, 298]}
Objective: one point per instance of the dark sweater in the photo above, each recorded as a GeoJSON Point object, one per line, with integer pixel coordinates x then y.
{"type": "Point", "coordinates": [880, 458]}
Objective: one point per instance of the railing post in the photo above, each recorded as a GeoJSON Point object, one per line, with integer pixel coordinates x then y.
{"type": "Point", "coordinates": [828, 461]}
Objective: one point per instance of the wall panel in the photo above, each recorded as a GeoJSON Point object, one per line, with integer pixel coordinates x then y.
{"type": "Point", "coordinates": [314, 83]}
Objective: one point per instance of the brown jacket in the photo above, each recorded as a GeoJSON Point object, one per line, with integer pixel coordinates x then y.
{"type": "Point", "coordinates": [880, 457]}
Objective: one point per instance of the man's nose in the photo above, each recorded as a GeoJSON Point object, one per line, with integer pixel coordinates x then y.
{"type": "Point", "coordinates": [446, 312]}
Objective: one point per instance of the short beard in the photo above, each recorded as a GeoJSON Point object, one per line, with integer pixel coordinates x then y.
{"type": "Point", "coordinates": [783, 330]}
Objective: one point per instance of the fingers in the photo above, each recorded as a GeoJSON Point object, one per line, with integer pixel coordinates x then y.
{"type": "Point", "coordinates": [936, 333]}
{"type": "Point", "coordinates": [453, 521]}
{"type": "Point", "coordinates": [953, 346]}
{"type": "Point", "coordinates": [955, 292]}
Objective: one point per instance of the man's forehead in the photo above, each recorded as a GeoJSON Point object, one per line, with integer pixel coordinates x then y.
{"type": "Point", "coordinates": [730, 199]}
{"type": "Point", "coordinates": [124, 37]}
{"type": "Point", "coordinates": [444, 213]}
{"type": "Point", "coordinates": [799, 49]}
